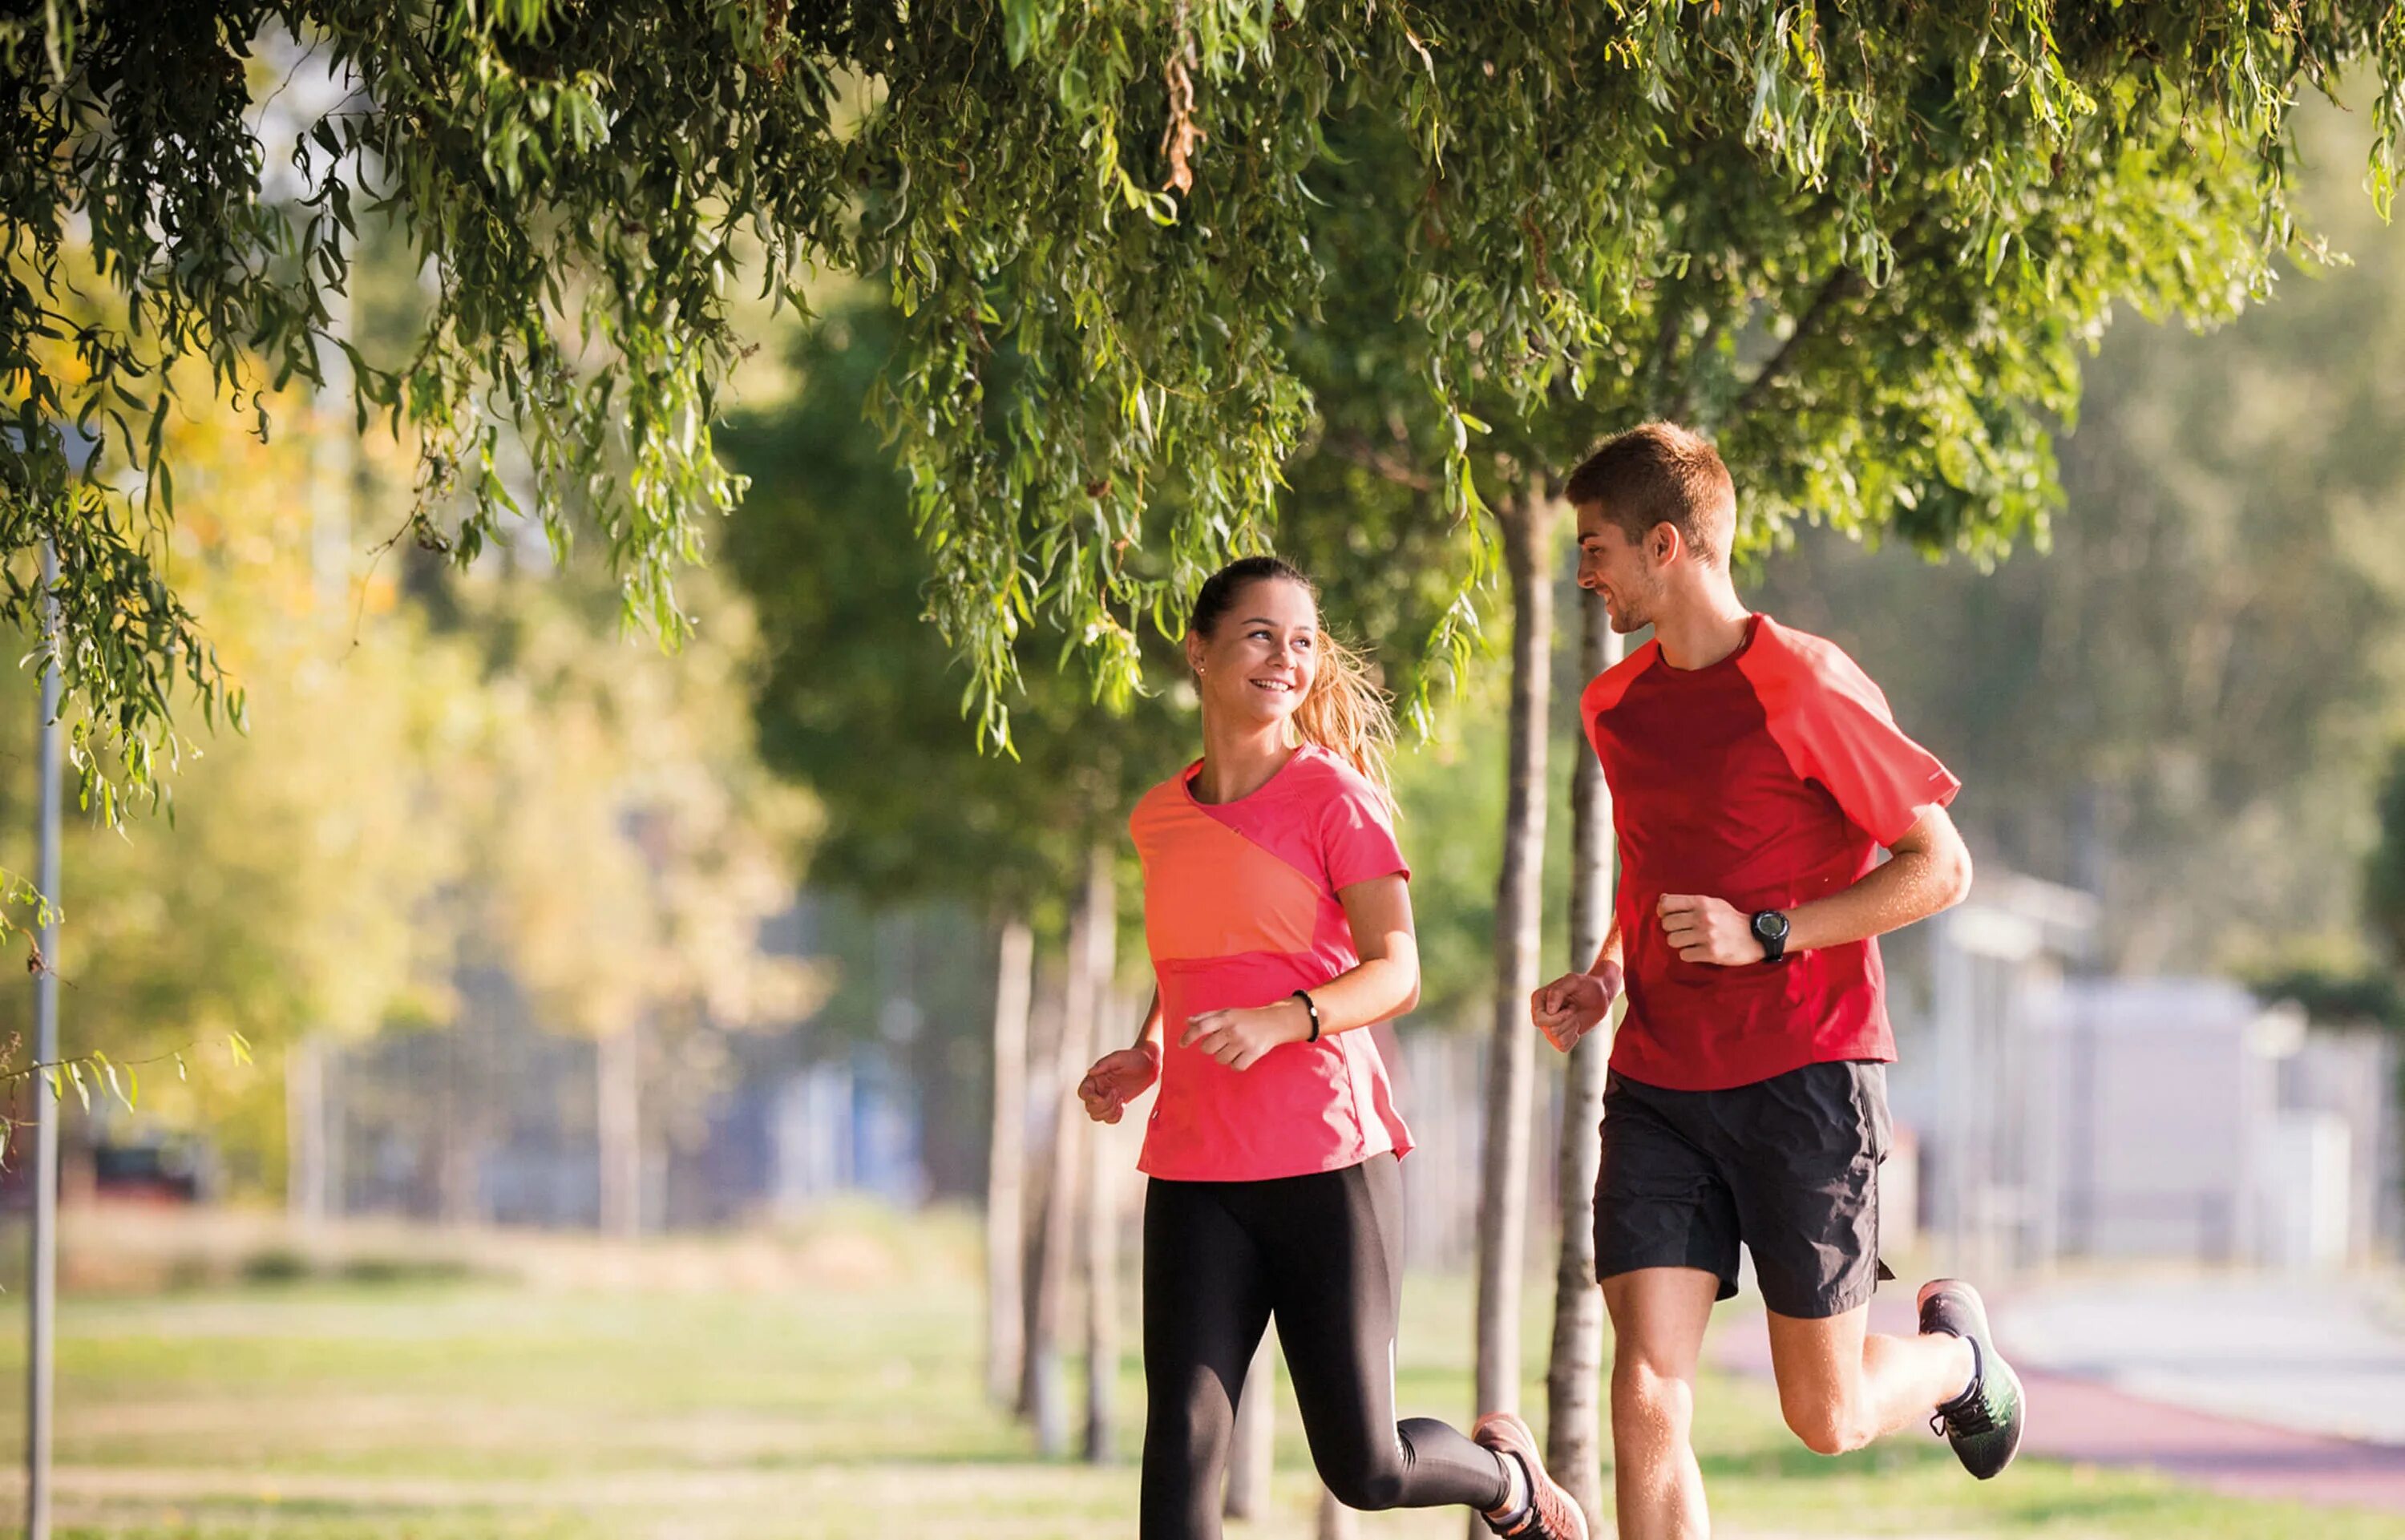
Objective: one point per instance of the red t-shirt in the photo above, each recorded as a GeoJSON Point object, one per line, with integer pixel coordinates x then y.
{"type": "Point", "coordinates": [1240, 909]}
{"type": "Point", "coordinates": [1768, 779]}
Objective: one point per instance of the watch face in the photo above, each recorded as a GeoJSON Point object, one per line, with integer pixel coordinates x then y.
{"type": "Point", "coordinates": [1770, 925]}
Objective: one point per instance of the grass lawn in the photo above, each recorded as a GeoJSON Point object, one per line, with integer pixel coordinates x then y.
{"type": "Point", "coordinates": [349, 1411]}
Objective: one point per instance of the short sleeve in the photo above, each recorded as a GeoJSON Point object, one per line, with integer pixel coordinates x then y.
{"type": "Point", "coordinates": [1837, 732]}
{"type": "Point", "coordinates": [1356, 835]}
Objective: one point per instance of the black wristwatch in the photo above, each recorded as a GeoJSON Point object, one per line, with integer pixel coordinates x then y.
{"type": "Point", "coordinates": [1770, 929]}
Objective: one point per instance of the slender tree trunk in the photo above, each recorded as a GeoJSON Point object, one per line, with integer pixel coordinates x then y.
{"type": "Point", "coordinates": [618, 1090]}
{"type": "Point", "coordinates": [467, 1117]}
{"type": "Point", "coordinates": [334, 1174]}
{"type": "Point", "coordinates": [304, 1131]}
{"type": "Point", "coordinates": [1503, 1176]}
{"type": "Point", "coordinates": [1573, 1420]}
{"type": "Point", "coordinates": [1336, 1520]}
{"type": "Point", "coordinates": [1249, 1454]}
{"type": "Point", "coordinates": [1006, 1170]}
{"type": "Point", "coordinates": [1058, 1268]}
{"type": "Point", "coordinates": [1100, 950]}
{"type": "Point", "coordinates": [1043, 1171]}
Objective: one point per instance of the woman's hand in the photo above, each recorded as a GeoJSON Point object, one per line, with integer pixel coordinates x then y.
{"type": "Point", "coordinates": [1238, 1039]}
{"type": "Point", "coordinates": [1117, 1078]}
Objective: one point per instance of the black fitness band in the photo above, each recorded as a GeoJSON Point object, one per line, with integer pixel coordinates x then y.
{"type": "Point", "coordinates": [1312, 1005]}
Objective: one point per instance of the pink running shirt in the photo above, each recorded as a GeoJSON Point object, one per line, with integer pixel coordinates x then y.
{"type": "Point", "coordinates": [1240, 909]}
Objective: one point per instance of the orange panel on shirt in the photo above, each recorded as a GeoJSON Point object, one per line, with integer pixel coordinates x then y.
{"type": "Point", "coordinates": [1209, 892]}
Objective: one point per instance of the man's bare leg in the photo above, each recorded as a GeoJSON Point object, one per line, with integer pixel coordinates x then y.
{"type": "Point", "coordinates": [1658, 1315]}
{"type": "Point", "coordinates": [1840, 1386]}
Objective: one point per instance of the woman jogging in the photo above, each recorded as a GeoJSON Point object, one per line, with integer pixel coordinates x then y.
{"type": "Point", "coordinates": [1276, 912]}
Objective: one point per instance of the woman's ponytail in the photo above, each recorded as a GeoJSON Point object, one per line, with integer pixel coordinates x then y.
{"type": "Point", "coordinates": [1347, 714]}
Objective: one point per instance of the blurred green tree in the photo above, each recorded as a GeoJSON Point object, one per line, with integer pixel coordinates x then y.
{"type": "Point", "coordinates": [284, 896]}
{"type": "Point", "coordinates": [2384, 871]}
{"type": "Point", "coordinates": [492, 778]}
{"type": "Point", "coordinates": [621, 846]}
{"type": "Point", "coordinates": [2342, 986]}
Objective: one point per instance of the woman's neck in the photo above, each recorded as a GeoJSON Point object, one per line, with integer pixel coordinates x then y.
{"type": "Point", "coordinates": [1239, 760]}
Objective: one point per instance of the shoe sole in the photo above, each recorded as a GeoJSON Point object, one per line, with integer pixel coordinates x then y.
{"type": "Point", "coordinates": [1508, 1433]}
{"type": "Point", "coordinates": [1991, 1360]}
{"type": "Point", "coordinates": [2020, 1422]}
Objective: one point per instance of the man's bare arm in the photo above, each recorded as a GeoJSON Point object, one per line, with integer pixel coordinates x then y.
{"type": "Point", "coordinates": [1928, 870]}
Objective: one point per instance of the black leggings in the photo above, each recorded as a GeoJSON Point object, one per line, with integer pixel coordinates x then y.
{"type": "Point", "coordinates": [1323, 1254]}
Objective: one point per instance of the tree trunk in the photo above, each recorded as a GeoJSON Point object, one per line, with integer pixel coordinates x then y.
{"type": "Point", "coordinates": [1006, 1167]}
{"type": "Point", "coordinates": [304, 1131]}
{"type": "Point", "coordinates": [1336, 1520]}
{"type": "Point", "coordinates": [1056, 1270]}
{"type": "Point", "coordinates": [467, 1115]}
{"type": "Point", "coordinates": [1573, 1417]}
{"type": "Point", "coordinates": [1528, 523]}
{"type": "Point", "coordinates": [1043, 1070]}
{"type": "Point", "coordinates": [618, 1091]}
{"type": "Point", "coordinates": [1099, 948]}
{"type": "Point", "coordinates": [1249, 1454]}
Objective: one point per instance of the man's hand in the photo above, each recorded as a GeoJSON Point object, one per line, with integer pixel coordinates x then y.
{"type": "Point", "coordinates": [1238, 1039]}
{"type": "Point", "coordinates": [1575, 1004]}
{"type": "Point", "coordinates": [1709, 930]}
{"type": "Point", "coordinates": [1117, 1078]}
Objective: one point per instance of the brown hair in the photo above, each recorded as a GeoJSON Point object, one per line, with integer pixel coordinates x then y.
{"type": "Point", "coordinates": [1659, 472]}
{"type": "Point", "coordinates": [1346, 713]}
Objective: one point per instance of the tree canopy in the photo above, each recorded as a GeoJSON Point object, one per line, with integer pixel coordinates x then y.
{"type": "Point", "coordinates": [1105, 229]}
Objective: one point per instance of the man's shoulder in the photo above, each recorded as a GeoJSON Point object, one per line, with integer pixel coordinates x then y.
{"type": "Point", "coordinates": [1605, 690]}
{"type": "Point", "coordinates": [1785, 663]}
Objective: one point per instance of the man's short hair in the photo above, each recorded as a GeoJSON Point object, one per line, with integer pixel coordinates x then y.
{"type": "Point", "coordinates": [1659, 472]}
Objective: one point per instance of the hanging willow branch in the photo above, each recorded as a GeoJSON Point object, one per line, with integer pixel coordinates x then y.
{"type": "Point", "coordinates": [1100, 390]}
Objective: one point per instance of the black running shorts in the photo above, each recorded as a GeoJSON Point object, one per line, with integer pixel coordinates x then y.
{"type": "Point", "coordinates": [1789, 1167]}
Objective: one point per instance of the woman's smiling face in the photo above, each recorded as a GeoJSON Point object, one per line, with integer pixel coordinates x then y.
{"type": "Point", "coordinates": [1258, 663]}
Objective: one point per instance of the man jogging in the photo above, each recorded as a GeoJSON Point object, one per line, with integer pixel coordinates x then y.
{"type": "Point", "coordinates": [1756, 774]}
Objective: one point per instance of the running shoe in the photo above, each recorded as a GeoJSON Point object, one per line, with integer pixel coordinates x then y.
{"type": "Point", "coordinates": [1983, 1424]}
{"type": "Point", "coordinates": [1550, 1514]}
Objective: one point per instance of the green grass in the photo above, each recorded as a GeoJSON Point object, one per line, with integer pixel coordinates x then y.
{"type": "Point", "coordinates": [321, 1411]}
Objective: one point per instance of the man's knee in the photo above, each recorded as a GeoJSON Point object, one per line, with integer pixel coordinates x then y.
{"type": "Point", "coordinates": [1828, 1428]}
{"type": "Point", "coordinates": [1644, 1395]}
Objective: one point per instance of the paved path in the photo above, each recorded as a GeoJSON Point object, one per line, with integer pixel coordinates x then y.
{"type": "Point", "coordinates": [2256, 1387]}
{"type": "Point", "coordinates": [2323, 1356]}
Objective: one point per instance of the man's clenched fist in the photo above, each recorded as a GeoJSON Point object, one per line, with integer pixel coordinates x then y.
{"type": "Point", "coordinates": [1709, 930]}
{"type": "Point", "coordinates": [1574, 1005]}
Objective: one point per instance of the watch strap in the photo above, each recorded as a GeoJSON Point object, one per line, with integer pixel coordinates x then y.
{"type": "Point", "coordinates": [1772, 937]}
